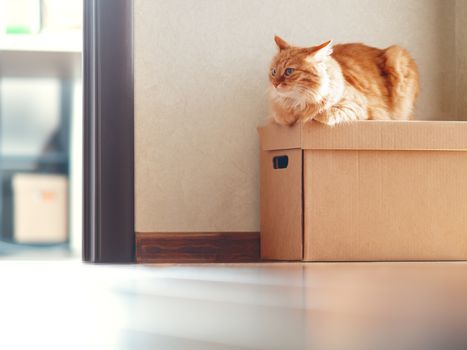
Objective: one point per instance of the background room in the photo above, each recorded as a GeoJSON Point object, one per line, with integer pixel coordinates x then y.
{"type": "Point", "coordinates": [40, 127]}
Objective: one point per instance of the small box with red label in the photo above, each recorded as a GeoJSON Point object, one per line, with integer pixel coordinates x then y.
{"type": "Point", "coordinates": [40, 208]}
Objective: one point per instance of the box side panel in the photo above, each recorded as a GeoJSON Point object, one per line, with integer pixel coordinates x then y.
{"type": "Point", "coordinates": [281, 205]}
{"type": "Point", "coordinates": [383, 205]}
{"type": "Point", "coordinates": [276, 137]}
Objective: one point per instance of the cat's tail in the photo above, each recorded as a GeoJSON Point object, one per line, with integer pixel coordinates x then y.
{"type": "Point", "coordinates": [403, 80]}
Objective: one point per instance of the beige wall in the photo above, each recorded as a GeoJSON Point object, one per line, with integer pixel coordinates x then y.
{"type": "Point", "coordinates": [200, 80]}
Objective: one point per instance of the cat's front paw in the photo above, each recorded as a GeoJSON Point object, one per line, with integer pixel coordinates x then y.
{"type": "Point", "coordinates": [284, 120]}
{"type": "Point", "coordinates": [325, 119]}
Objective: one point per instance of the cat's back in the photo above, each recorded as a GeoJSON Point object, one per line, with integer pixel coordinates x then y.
{"type": "Point", "coordinates": [359, 57]}
{"type": "Point", "coordinates": [388, 78]}
{"type": "Point", "coordinates": [356, 51]}
{"type": "Point", "coordinates": [363, 68]}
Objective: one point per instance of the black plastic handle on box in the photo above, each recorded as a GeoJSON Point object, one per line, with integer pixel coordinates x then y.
{"type": "Point", "coordinates": [280, 162]}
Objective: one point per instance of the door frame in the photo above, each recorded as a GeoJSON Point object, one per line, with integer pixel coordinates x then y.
{"type": "Point", "coordinates": [109, 161]}
{"type": "Point", "coordinates": [108, 202]}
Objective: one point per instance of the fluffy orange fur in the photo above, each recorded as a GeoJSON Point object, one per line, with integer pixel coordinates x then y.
{"type": "Point", "coordinates": [342, 83]}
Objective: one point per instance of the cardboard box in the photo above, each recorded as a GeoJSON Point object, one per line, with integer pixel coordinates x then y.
{"type": "Point", "coordinates": [41, 208]}
{"type": "Point", "coordinates": [366, 191]}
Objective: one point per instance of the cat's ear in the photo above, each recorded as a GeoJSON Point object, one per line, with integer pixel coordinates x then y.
{"type": "Point", "coordinates": [320, 52]}
{"type": "Point", "coordinates": [281, 43]}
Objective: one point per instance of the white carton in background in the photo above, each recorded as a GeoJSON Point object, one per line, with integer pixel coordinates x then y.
{"type": "Point", "coordinates": [40, 208]}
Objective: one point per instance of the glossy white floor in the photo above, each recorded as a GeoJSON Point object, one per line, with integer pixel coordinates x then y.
{"type": "Point", "coordinates": [65, 304]}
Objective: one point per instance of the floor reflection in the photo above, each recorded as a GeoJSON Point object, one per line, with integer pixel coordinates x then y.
{"type": "Point", "coordinates": [66, 304]}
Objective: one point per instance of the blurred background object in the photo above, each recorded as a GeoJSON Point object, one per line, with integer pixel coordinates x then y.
{"type": "Point", "coordinates": [40, 124]}
{"type": "Point", "coordinates": [21, 16]}
{"type": "Point", "coordinates": [40, 208]}
{"type": "Point", "coordinates": [60, 15]}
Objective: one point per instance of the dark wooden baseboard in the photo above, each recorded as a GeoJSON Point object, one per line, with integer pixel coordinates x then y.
{"type": "Point", "coordinates": [197, 247]}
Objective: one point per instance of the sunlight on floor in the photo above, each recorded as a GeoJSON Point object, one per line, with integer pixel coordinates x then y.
{"type": "Point", "coordinates": [65, 304]}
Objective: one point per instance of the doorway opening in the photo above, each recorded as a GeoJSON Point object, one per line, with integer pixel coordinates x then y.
{"type": "Point", "coordinates": [41, 128]}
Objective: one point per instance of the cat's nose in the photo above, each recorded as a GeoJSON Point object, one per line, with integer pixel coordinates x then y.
{"type": "Point", "coordinates": [276, 84]}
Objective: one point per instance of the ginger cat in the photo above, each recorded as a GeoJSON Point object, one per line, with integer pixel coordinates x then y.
{"type": "Point", "coordinates": [343, 83]}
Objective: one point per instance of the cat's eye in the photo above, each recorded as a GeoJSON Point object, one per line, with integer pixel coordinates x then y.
{"type": "Point", "coordinates": [273, 72]}
{"type": "Point", "coordinates": [289, 71]}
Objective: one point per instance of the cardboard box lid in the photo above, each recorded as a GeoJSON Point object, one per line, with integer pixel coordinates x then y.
{"type": "Point", "coordinates": [367, 135]}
